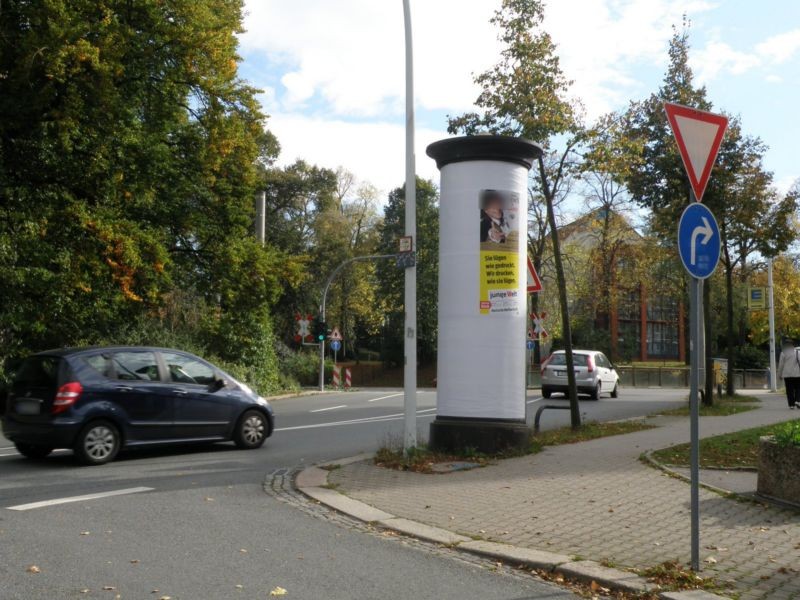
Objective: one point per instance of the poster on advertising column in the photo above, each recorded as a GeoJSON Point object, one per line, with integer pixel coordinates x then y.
{"type": "Point", "coordinates": [500, 253]}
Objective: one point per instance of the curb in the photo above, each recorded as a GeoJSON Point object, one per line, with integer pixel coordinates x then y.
{"type": "Point", "coordinates": [313, 482]}
{"type": "Point", "coordinates": [757, 497]}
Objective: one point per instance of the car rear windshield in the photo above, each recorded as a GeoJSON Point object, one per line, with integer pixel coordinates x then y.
{"type": "Point", "coordinates": [579, 360]}
{"type": "Point", "coordinates": [38, 371]}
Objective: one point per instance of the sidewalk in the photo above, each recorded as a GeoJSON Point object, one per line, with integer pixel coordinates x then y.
{"type": "Point", "coordinates": [596, 500]}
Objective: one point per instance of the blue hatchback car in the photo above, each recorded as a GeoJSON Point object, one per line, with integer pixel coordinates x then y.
{"type": "Point", "coordinates": [97, 401]}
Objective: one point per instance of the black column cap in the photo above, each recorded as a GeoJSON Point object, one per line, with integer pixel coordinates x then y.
{"type": "Point", "coordinates": [484, 147]}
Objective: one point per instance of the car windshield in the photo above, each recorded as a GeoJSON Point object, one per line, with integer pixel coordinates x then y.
{"type": "Point", "coordinates": [560, 359]}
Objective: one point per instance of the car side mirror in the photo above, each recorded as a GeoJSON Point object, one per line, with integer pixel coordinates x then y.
{"type": "Point", "coordinates": [218, 384]}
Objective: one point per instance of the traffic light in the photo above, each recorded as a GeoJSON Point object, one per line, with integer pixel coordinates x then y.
{"type": "Point", "coordinates": [320, 329]}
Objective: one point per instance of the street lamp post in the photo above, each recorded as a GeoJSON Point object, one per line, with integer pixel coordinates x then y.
{"type": "Point", "coordinates": [410, 300]}
{"type": "Point", "coordinates": [322, 304]}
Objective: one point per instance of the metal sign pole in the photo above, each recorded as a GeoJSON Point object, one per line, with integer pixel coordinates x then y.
{"type": "Point", "coordinates": [773, 371]}
{"type": "Point", "coordinates": [695, 311]}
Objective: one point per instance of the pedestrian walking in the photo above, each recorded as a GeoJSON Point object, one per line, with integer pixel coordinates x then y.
{"type": "Point", "coordinates": [789, 370]}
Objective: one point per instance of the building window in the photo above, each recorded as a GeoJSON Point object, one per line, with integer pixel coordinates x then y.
{"type": "Point", "coordinates": [630, 306]}
{"type": "Point", "coordinates": [662, 340]}
{"type": "Point", "coordinates": [662, 308]}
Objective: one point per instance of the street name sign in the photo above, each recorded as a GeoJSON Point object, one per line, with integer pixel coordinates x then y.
{"type": "Point", "coordinates": [698, 241]}
{"type": "Point", "coordinates": [699, 136]}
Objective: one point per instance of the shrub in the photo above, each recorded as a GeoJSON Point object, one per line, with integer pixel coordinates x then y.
{"type": "Point", "coordinates": [788, 434]}
{"type": "Point", "coordinates": [750, 357]}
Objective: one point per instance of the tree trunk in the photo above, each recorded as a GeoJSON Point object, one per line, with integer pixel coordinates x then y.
{"type": "Point", "coordinates": [731, 333]}
{"type": "Point", "coordinates": [708, 399]}
{"type": "Point", "coordinates": [574, 408]}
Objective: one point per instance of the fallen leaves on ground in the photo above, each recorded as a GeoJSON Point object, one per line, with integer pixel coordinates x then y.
{"type": "Point", "coordinates": [109, 588]}
{"type": "Point", "coordinates": [710, 560]}
{"type": "Point", "coordinates": [278, 591]}
{"type": "Point", "coordinates": [86, 532]}
{"type": "Point", "coordinates": [33, 569]}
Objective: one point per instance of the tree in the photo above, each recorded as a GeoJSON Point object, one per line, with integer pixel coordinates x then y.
{"type": "Point", "coordinates": [658, 181]}
{"type": "Point", "coordinates": [130, 150]}
{"type": "Point", "coordinates": [525, 94]}
{"type": "Point", "coordinates": [390, 278]}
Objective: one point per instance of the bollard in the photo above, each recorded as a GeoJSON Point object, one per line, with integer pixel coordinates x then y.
{"type": "Point", "coordinates": [337, 376]}
{"type": "Point", "coordinates": [348, 378]}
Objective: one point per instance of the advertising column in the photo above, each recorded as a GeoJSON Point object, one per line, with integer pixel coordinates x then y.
{"type": "Point", "coordinates": [482, 291]}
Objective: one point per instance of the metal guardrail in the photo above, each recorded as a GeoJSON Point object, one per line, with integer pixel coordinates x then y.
{"type": "Point", "coordinates": [674, 377]}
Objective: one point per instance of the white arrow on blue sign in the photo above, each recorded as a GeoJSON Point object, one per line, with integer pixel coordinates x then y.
{"type": "Point", "coordinates": [336, 345]}
{"type": "Point", "coordinates": [698, 241]}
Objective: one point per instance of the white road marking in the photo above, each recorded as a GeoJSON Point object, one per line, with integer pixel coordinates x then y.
{"type": "Point", "coordinates": [534, 400]}
{"type": "Point", "coordinates": [57, 501]}
{"type": "Point", "coordinates": [381, 419]}
{"type": "Point", "coordinates": [328, 408]}
{"type": "Point", "coordinates": [385, 397]}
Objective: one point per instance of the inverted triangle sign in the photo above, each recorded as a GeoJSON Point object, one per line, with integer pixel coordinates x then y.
{"type": "Point", "coordinates": [534, 283]}
{"type": "Point", "coordinates": [699, 136]}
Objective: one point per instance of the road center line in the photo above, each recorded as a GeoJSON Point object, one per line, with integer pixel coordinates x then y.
{"type": "Point", "coordinates": [70, 499]}
{"type": "Point", "coordinates": [385, 397]}
{"type": "Point", "coordinates": [378, 419]}
{"type": "Point", "coordinates": [328, 408]}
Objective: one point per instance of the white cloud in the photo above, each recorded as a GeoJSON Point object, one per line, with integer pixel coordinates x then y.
{"type": "Point", "coordinates": [600, 44]}
{"type": "Point", "coordinates": [718, 57]}
{"type": "Point", "coordinates": [351, 52]}
{"type": "Point", "coordinates": [373, 151]}
{"type": "Point", "coordinates": [780, 48]}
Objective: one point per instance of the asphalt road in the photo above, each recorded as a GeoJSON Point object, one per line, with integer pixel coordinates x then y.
{"type": "Point", "coordinates": [201, 524]}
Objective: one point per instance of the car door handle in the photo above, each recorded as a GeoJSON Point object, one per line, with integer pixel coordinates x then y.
{"type": "Point", "coordinates": [123, 388]}
{"type": "Point", "coordinates": [180, 391]}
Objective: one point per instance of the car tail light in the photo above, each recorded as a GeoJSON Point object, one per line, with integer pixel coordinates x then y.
{"type": "Point", "coordinates": [66, 396]}
{"type": "Point", "coordinates": [590, 364]}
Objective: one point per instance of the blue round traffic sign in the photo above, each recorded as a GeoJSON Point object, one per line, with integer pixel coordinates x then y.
{"type": "Point", "coordinates": [699, 241]}
{"type": "Point", "coordinates": [336, 345]}
{"type": "Point", "coordinates": [530, 344]}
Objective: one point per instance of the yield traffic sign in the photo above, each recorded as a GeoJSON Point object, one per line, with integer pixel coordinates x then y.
{"type": "Point", "coordinates": [534, 283]}
{"type": "Point", "coordinates": [699, 135]}
{"type": "Point", "coordinates": [698, 241]}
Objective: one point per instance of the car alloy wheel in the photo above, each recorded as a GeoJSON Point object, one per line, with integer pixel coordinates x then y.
{"type": "Point", "coordinates": [98, 443]}
{"type": "Point", "coordinates": [252, 430]}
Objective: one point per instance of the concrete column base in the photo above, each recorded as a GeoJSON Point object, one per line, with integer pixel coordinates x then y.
{"type": "Point", "coordinates": [488, 437]}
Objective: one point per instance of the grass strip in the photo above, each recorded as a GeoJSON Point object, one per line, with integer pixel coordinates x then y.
{"type": "Point", "coordinates": [722, 407]}
{"type": "Point", "coordinates": [731, 450]}
{"type": "Point", "coordinates": [421, 459]}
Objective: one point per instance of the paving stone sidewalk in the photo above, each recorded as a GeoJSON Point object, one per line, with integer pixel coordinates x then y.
{"type": "Point", "coordinates": [596, 500]}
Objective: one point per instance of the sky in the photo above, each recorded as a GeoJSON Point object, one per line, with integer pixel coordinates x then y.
{"type": "Point", "coordinates": [333, 79]}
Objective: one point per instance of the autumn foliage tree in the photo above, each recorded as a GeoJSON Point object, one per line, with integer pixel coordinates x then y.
{"type": "Point", "coordinates": [129, 153]}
